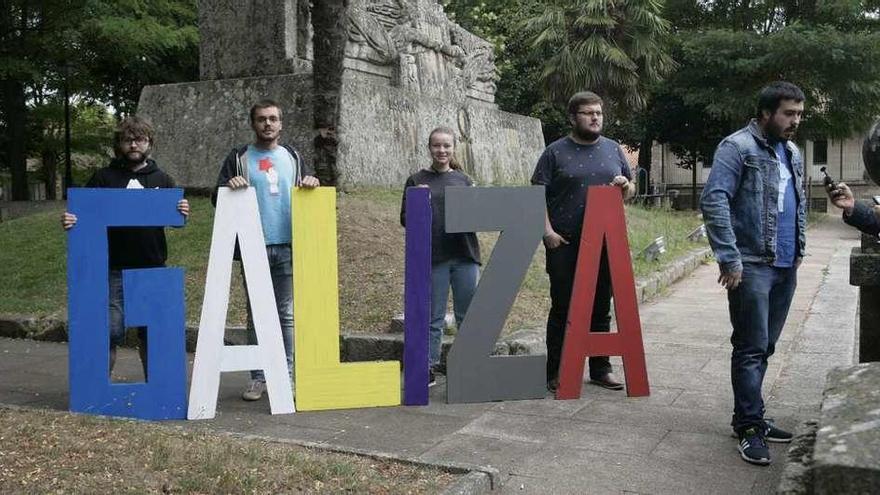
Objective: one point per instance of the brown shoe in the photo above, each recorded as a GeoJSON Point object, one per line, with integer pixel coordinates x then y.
{"type": "Point", "coordinates": [607, 381]}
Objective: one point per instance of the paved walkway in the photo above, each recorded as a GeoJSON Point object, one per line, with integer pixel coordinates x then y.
{"type": "Point", "coordinates": [675, 441]}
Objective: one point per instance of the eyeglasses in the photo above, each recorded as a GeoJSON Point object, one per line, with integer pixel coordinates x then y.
{"type": "Point", "coordinates": [140, 141]}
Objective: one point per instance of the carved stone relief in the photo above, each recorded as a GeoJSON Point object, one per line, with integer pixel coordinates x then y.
{"type": "Point", "coordinates": [414, 44]}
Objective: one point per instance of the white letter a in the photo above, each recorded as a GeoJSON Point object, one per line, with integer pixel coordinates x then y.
{"type": "Point", "coordinates": [237, 216]}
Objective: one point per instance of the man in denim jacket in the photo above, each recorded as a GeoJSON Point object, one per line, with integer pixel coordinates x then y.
{"type": "Point", "coordinates": [754, 208]}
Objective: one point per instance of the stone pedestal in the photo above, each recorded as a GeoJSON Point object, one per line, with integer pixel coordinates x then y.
{"type": "Point", "coordinates": [865, 273]}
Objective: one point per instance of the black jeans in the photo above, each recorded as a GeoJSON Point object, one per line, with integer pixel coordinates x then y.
{"type": "Point", "coordinates": [561, 265]}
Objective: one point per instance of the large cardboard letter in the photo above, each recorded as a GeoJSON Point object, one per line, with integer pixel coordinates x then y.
{"type": "Point", "coordinates": [472, 375]}
{"type": "Point", "coordinates": [604, 221]}
{"type": "Point", "coordinates": [153, 298]}
{"type": "Point", "coordinates": [238, 216]}
{"type": "Point", "coordinates": [417, 296]}
{"type": "Point", "coordinates": [322, 382]}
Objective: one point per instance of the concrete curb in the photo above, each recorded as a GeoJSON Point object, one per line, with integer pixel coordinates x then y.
{"type": "Point", "coordinates": [369, 347]}
{"type": "Point", "coordinates": [471, 483]}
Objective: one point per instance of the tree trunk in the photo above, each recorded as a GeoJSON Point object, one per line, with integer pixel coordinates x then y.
{"type": "Point", "coordinates": [12, 97]}
{"type": "Point", "coordinates": [328, 24]}
{"type": "Point", "coordinates": [15, 111]}
{"type": "Point", "coordinates": [694, 183]}
{"type": "Point", "coordinates": [645, 150]}
{"type": "Point", "coordinates": [50, 172]}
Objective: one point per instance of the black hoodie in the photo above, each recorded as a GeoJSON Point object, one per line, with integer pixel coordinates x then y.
{"type": "Point", "coordinates": [134, 247]}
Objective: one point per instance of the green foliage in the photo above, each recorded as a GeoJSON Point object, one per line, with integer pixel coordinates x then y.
{"type": "Point", "coordinates": [721, 71]}
{"type": "Point", "coordinates": [91, 127]}
{"type": "Point", "coordinates": [615, 48]}
{"type": "Point", "coordinates": [103, 51]}
{"type": "Point", "coordinates": [128, 44]}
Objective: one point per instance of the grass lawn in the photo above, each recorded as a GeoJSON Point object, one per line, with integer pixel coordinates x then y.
{"type": "Point", "coordinates": [33, 271]}
{"type": "Point", "coordinates": [54, 452]}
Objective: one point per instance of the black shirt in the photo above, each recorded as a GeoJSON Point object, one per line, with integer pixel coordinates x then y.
{"type": "Point", "coordinates": [567, 169]}
{"type": "Point", "coordinates": [134, 247]}
{"type": "Point", "coordinates": [444, 246]}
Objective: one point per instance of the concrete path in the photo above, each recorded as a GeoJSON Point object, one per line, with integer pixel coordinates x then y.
{"type": "Point", "coordinates": [675, 441]}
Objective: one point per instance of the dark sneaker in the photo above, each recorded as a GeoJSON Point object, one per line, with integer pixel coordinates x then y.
{"type": "Point", "coordinates": [753, 448]}
{"type": "Point", "coordinates": [607, 381]}
{"type": "Point", "coordinates": [775, 434]}
{"type": "Point", "coordinates": [432, 379]}
{"type": "Point", "coordinates": [552, 385]}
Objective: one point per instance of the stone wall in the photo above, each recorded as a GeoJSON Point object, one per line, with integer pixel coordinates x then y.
{"type": "Point", "coordinates": [383, 130]}
{"type": "Point", "coordinates": [198, 123]}
{"type": "Point", "coordinates": [384, 136]}
{"type": "Point", "coordinates": [250, 38]}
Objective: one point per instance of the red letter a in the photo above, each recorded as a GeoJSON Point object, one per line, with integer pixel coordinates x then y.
{"type": "Point", "coordinates": [604, 221]}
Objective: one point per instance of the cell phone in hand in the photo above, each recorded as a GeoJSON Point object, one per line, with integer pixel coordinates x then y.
{"type": "Point", "coordinates": [827, 180]}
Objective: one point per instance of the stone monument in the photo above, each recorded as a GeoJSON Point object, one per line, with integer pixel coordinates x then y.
{"type": "Point", "coordinates": [407, 69]}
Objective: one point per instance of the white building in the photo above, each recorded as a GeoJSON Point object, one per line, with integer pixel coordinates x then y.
{"type": "Point", "coordinates": [842, 159]}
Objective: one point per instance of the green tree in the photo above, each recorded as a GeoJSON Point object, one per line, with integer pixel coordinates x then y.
{"type": "Point", "coordinates": [105, 51]}
{"type": "Point", "coordinates": [91, 133]}
{"type": "Point", "coordinates": [29, 49]}
{"type": "Point", "coordinates": [721, 71]}
{"type": "Point", "coordinates": [616, 48]}
{"type": "Point", "coordinates": [124, 45]}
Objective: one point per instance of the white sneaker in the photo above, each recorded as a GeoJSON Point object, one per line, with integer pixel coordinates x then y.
{"type": "Point", "coordinates": [254, 391]}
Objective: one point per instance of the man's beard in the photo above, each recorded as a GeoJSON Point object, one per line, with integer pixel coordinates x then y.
{"type": "Point", "coordinates": [585, 134]}
{"type": "Point", "coordinates": [777, 133]}
{"type": "Point", "coordinates": [135, 157]}
{"type": "Point", "coordinates": [263, 139]}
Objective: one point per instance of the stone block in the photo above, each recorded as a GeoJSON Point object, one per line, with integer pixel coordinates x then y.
{"type": "Point", "coordinates": [35, 328]}
{"type": "Point", "coordinates": [847, 449]}
{"type": "Point", "coordinates": [371, 348]}
{"type": "Point", "coordinates": [526, 342]}
{"type": "Point", "coordinates": [864, 268]}
{"type": "Point", "coordinates": [797, 476]}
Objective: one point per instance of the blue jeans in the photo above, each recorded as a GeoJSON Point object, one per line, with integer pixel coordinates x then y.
{"type": "Point", "coordinates": [758, 308]}
{"type": "Point", "coordinates": [117, 320]}
{"type": "Point", "coordinates": [462, 274]}
{"type": "Point", "coordinates": [281, 271]}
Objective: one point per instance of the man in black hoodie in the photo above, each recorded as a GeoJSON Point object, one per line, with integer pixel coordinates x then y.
{"type": "Point", "coordinates": [131, 247]}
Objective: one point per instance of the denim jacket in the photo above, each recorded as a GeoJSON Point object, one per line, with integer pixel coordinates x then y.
{"type": "Point", "coordinates": [739, 199]}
